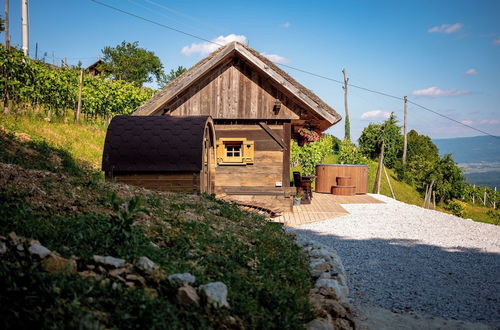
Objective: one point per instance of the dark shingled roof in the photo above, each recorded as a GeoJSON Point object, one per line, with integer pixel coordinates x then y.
{"type": "Point", "coordinates": [154, 144]}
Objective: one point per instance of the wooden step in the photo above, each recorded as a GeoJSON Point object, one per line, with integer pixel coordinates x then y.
{"type": "Point", "coordinates": [343, 190]}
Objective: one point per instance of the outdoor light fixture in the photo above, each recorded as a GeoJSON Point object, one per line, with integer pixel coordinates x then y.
{"type": "Point", "coordinates": [277, 107]}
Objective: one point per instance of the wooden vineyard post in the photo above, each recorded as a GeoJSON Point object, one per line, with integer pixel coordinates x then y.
{"type": "Point", "coordinates": [376, 187]}
{"type": "Point", "coordinates": [427, 200]}
{"type": "Point", "coordinates": [426, 191]}
{"type": "Point", "coordinates": [389, 182]}
{"type": "Point", "coordinates": [484, 200]}
{"type": "Point", "coordinates": [347, 135]}
{"type": "Point", "coordinates": [79, 107]}
{"type": "Point", "coordinates": [473, 194]}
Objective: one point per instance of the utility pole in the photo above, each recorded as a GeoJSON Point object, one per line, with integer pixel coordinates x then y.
{"type": "Point", "coordinates": [347, 122]}
{"type": "Point", "coordinates": [405, 129]}
{"type": "Point", "coordinates": [24, 20]}
{"type": "Point", "coordinates": [7, 41]}
{"type": "Point", "coordinates": [36, 51]}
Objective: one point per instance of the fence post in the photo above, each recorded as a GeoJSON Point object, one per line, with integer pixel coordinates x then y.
{"type": "Point", "coordinates": [474, 194]}
{"type": "Point", "coordinates": [484, 200]}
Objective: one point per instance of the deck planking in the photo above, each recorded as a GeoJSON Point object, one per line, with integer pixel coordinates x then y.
{"type": "Point", "coordinates": [322, 207]}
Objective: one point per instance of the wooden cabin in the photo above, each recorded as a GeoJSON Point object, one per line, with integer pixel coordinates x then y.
{"type": "Point", "coordinates": [161, 152]}
{"type": "Point", "coordinates": [256, 109]}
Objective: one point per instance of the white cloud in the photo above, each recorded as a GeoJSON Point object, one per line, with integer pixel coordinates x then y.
{"type": "Point", "coordinates": [446, 28]}
{"type": "Point", "coordinates": [467, 122]}
{"type": "Point", "coordinates": [375, 115]}
{"type": "Point", "coordinates": [496, 42]}
{"type": "Point", "coordinates": [205, 48]}
{"type": "Point", "coordinates": [471, 72]}
{"type": "Point", "coordinates": [490, 121]}
{"type": "Point", "coordinates": [438, 92]}
{"type": "Point", "coordinates": [286, 25]}
{"type": "Point", "coordinates": [276, 58]}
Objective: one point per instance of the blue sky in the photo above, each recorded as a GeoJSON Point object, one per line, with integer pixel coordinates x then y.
{"type": "Point", "coordinates": [443, 54]}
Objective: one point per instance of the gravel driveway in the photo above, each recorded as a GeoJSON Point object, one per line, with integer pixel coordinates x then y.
{"type": "Point", "coordinates": [404, 258]}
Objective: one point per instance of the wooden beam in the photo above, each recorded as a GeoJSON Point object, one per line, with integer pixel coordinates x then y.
{"type": "Point", "coordinates": [271, 134]}
{"type": "Point", "coordinates": [287, 136]}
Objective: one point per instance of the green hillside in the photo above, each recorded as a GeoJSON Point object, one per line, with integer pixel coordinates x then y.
{"type": "Point", "coordinates": [50, 197]}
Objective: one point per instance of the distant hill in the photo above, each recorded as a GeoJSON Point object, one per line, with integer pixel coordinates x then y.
{"type": "Point", "coordinates": [476, 149]}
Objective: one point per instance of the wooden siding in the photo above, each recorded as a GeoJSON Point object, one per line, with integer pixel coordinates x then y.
{"type": "Point", "coordinates": [233, 90]}
{"type": "Point", "coordinates": [267, 168]}
{"type": "Point", "coordinates": [327, 175]}
{"type": "Point", "coordinates": [174, 181]}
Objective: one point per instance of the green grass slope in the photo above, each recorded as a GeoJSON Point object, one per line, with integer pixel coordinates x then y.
{"type": "Point", "coordinates": [46, 195]}
{"type": "Point", "coordinates": [82, 142]}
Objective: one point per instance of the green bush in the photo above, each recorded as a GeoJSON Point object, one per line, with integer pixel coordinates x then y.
{"type": "Point", "coordinates": [350, 154]}
{"type": "Point", "coordinates": [456, 207]}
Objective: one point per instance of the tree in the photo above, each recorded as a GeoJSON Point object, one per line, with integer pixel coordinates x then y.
{"type": "Point", "coordinates": [133, 64]}
{"type": "Point", "coordinates": [370, 141]}
{"type": "Point", "coordinates": [168, 78]}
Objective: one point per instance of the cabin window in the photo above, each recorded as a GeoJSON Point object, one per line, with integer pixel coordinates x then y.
{"type": "Point", "coordinates": [235, 151]}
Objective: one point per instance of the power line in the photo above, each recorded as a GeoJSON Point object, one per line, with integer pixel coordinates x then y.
{"type": "Point", "coordinates": [294, 68]}
{"type": "Point", "coordinates": [153, 22]}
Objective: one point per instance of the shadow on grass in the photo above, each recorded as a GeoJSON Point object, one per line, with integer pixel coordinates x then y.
{"type": "Point", "coordinates": [405, 275]}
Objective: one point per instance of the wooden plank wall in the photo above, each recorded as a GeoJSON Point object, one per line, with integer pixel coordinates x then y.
{"type": "Point", "coordinates": [268, 162]}
{"type": "Point", "coordinates": [176, 181]}
{"type": "Point", "coordinates": [233, 90]}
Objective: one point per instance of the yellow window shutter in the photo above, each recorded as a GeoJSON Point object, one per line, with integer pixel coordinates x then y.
{"type": "Point", "coordinates": [248, 152]}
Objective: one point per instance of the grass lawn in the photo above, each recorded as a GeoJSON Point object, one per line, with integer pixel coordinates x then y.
{"type": "Point", "coordinates": [83, 142]}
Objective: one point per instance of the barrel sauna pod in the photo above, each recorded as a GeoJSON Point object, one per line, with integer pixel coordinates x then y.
{"type": "Point", "coordinates": [326, 177]}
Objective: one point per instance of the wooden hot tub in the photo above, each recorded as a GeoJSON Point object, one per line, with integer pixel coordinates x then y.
{"type": "Point", "coordinates": [327, 177]}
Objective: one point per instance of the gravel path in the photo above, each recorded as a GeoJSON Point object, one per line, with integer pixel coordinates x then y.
{"type": "Point", "coordinates": [405, 258]}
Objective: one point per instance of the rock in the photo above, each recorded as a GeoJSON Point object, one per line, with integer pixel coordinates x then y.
{"type": "Point", "coordinates": [13, 238]}
{"type": "Point", "coordinates": [146, 264]}
{"type": "Point", "coordinates": [57, 265]}
{"type": "Point", "coordinates": [330, 287]}
{"type": "Point", "coordinates": [39, 250]}
{"type": "Point", "coordinates": [323, 267]}
{"type": "Point", "coordinates": [181, 279]}
{"type": "Point", "coordinates": [109, 261]}
{"type": "Point", "coordinates": [3, 248]}
{"type": "Point", "coordinates": [20, 247]}
{"type": "Point", "coordinates": [89, 274]}
{"type": "Point", "coordinates": [187, 296]}
{"type": "Point", "coordinates": [343, 324]}
{"type": "Point", "coordinates": [136, 278]}
{"type": "Point", "coordinates": [117, 272]}
{"type": "Point", "coordinates": [319, 324]}
{"type": "Point", "coordinates": [215, 293]}
{"type": "Point", "coordinates": [334, 308]}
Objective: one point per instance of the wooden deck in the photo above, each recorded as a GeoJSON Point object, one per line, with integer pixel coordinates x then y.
{"type": "Point", "coordinates": [322, 207]}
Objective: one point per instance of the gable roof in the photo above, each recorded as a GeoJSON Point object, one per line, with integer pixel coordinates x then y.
{"type": "Point", "coordinates": [311, 101]}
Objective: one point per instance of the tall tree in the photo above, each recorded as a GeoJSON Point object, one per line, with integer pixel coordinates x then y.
{"type": "Point", "coordinates": [167, 78]}
{"type": "Point", "coordinates": [370, 141]}
{"type": "Point", "coordinates": [131, 63]}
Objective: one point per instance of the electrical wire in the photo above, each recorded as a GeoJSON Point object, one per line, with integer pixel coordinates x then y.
{"type": "Point", "coordinates": [297, 69]}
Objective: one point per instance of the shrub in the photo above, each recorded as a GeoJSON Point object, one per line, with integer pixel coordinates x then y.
{"type": "Point", "coordinates": [350, 154]}
{"type": "Point", "coordinates": [456, 207]}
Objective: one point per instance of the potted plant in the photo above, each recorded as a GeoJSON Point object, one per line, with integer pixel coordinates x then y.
{"type": "Point", "coordinates": [297, 198]}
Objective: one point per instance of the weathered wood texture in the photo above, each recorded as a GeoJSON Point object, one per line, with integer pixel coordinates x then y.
{"type": "Point", "coordinates": [327, 177]}
{"type": "Point", "coordinates": [172, 181]}
{"type": "Point", "coordinates": [343, 190]}
{"type": "Point", "coordinates": [322, 207]}
{"type": "Point", "coordinates": [233, 90]}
